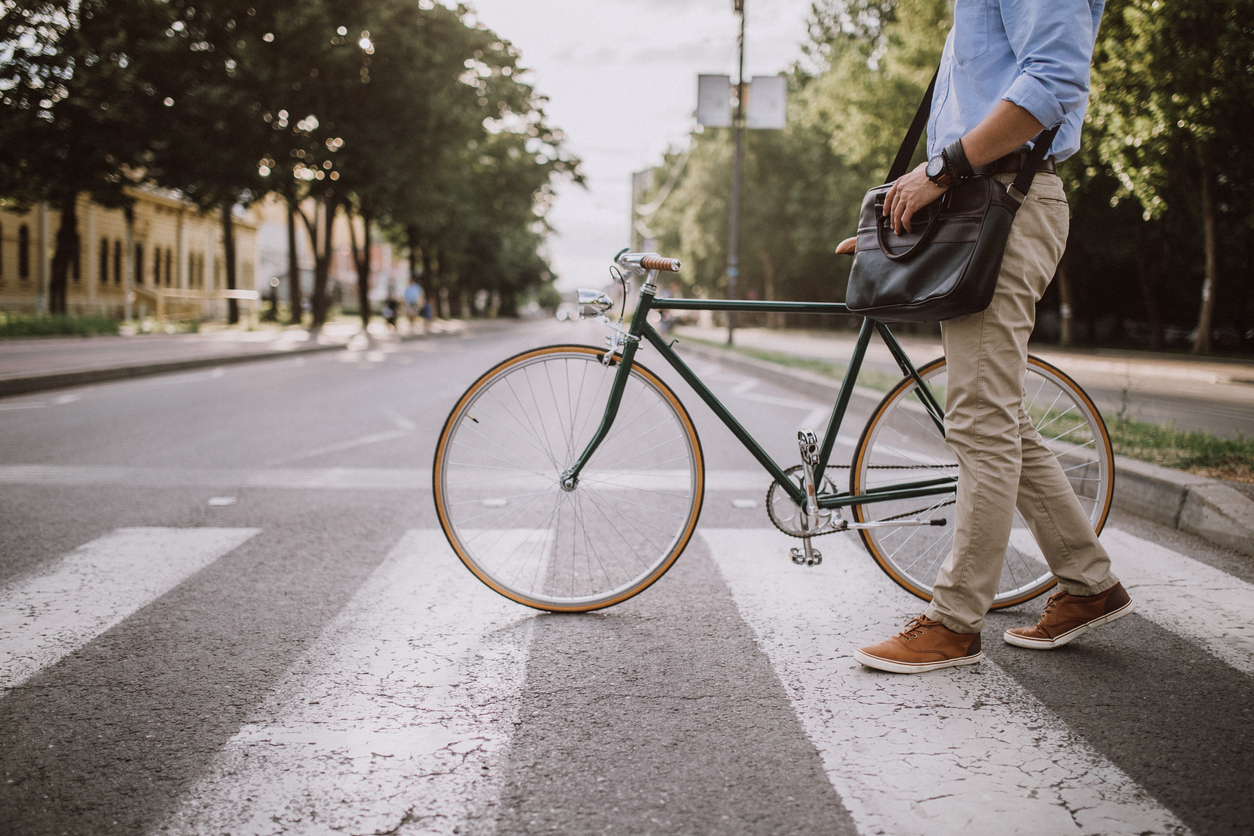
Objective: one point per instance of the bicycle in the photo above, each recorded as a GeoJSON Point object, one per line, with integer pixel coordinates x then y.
{"type": "Point", "coordinates": [570, 477]}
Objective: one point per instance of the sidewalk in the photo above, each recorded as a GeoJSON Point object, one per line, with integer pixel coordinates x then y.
{"type": "Point", "coordinates": [1208, 508]}
{"type": "Point", "coordinates": [40, 363]}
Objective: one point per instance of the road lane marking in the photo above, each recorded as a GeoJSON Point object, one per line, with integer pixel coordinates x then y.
{"type": "Point", "coordinates": [48, 615]}
{"type": "Point", "coordinates": [397, 717]}
{"type": "Point", "coordinates": [965, 751]}
{"type": "Point", "coordinates": [300, 478]}
{"type": "Point", "coordinates": [1186, 596]}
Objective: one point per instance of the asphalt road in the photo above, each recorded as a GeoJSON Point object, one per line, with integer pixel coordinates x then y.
{"type": "Point", "coordinates": [226, 607]}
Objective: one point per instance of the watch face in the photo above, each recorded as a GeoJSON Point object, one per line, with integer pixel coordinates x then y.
{"type": "Point", "coordinates": [935, 167]}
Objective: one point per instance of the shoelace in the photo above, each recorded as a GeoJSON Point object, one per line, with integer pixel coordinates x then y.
{"type": "Point", "coordinates": [1050, 605]}
{"type": "Point", "coordinates": [916, 627]}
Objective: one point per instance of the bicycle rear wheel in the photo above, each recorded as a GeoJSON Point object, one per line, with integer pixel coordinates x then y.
{"type": "Point", "coordinates": [497, 485]}
{"type": "Point", "coordinates": [901, 443]}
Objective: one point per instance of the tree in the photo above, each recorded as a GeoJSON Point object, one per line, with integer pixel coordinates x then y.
{"type": "Point", "coordinates": [1171, 100]}
{"type": "Point", "coordinates": [71, 103]}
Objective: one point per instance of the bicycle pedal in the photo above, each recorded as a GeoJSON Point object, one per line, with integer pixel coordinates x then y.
{"type": "Point", "coordinates": [799, 556]}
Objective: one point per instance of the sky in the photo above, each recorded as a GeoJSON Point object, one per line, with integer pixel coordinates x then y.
{"type": "Point", "coordinates": [621, 79]}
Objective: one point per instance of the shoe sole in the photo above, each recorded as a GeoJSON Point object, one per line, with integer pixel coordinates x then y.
{"type": "Point", "coordinates": [1070, 635]}
{"type": "Point", "coordinates": [921, 667]}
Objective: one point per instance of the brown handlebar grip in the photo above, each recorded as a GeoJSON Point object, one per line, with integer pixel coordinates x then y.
{"type": "Point", "coordinates": [657, 262]}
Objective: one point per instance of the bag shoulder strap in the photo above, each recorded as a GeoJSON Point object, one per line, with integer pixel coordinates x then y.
{"type": "Point", "coordinates": [1018, 190]}
{"type": "Point", "coordinates": [906, 151]}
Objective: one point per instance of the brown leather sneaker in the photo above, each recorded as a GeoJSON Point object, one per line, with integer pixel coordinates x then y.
{"type": "Point", "coordinates": [1068, 617]}
{"type": "Point", "coordinates": [925, 645]}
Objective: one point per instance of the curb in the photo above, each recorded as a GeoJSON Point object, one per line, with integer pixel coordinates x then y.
{"type": "Point", "coordinates": [1205, 507]}
{"type": "Point", "coordinates": [60, 380]}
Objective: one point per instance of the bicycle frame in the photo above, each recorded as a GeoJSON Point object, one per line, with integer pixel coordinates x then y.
{"type": "Point", "coordinates": [641, 329]}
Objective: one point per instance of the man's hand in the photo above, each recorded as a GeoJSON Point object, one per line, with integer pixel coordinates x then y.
{"type": "Point", "coordinates": [847, 247]}
{"type": "Point", "coordinates": [908, 195]}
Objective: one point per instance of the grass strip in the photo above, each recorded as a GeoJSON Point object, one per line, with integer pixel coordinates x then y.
{"type": "Point", "coordinates": [878, 381]}
{"type": "Point", "coordinates": [1196, 451]}
{"type": "Point", "coordinates": [21, 325]}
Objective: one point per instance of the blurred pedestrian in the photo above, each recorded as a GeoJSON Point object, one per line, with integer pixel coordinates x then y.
{"type": "Point", "coordinates": [390, 309]}
{"type": "Point", "coordinates": [413, 302]}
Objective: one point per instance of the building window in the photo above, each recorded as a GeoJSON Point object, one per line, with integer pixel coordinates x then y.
{"type": "Point", "coordinates": [169, 275]}
{"type": "Point", "coordinates": [23, 252]}
{"type": "Point", "coordinates": [139, 263]}
{"type": "Point", "coordinates": [156, 266]}
{"type": "Point", "coordinates": [104, 261]}
{"type": "Point", "coordinates": [117, 262]}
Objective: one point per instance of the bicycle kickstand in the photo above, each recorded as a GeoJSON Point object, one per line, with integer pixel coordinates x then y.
{"type": "Point", "coordinates": [807, 555]}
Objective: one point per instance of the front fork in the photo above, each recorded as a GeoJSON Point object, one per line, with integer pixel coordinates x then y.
{"type": "Point", "coordinates": [630, 342]}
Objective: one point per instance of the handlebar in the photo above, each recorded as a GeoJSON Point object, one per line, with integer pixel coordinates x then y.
{"type": "Point", "coordinates": [648, 261]}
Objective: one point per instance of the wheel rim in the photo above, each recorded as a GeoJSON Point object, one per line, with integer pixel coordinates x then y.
{"type": "Point", "coordinates": [498, 471]}
{"type": "Point", "coordinates": [903, 444]}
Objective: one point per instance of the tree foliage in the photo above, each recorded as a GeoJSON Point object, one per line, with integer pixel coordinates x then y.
{"type": "Point", "coordinates": [402, 113]}
{"type": "Point", "coordinates": [1172, 96]}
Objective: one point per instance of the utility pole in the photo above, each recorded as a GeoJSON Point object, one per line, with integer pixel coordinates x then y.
{"type": "Point", "coordinates": [738, 137]}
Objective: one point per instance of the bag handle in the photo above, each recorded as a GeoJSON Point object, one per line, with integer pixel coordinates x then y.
{"type": "Point", "coordinates": [882, 221]}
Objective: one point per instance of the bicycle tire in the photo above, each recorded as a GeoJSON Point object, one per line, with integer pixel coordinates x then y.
{"type": "Point", "coordinates": [900, 442]}
{"type": "Point", "coordinates": [496, 480]}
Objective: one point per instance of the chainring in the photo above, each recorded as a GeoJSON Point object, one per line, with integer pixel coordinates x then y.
{"type": "Point", "coordinates": [787, 517]}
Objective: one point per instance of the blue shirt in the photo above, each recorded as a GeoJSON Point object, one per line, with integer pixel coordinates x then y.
{"type": "Point", "coordinates": [1035, 53]}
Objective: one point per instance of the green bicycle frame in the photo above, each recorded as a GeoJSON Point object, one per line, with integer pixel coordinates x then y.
{"type": "Point", "coordinates": [641, 329]}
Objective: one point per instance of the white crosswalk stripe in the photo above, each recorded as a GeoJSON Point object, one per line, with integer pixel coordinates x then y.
{"type": "Point", "coordinates": [1189, 598]}
{"type": "Point", "coordinates": [918, 754]}
{"type": "Point", "coordinates": [76, 598]}
{"type": "Point", "coordinates": [397, 719]}
{"type": "Point", "coordinates": [397, 716]}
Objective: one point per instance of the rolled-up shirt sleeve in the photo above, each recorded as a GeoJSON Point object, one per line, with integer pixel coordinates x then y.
{"type": "Point", "coordinates": [1053, 44]}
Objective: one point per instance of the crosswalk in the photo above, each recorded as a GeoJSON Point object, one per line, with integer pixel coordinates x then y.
{"type": "Point", "coordinates": [399, 717]}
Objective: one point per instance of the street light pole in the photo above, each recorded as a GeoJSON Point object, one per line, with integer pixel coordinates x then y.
{"type": "Point", "coordinates": [738, 137]}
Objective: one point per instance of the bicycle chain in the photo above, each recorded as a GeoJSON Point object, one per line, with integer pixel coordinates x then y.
{"type": "Point", "coordinates": [771, 514]}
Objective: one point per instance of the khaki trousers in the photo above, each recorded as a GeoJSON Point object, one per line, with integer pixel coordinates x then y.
{"type": "Point", "coordinates": [1003, 464]}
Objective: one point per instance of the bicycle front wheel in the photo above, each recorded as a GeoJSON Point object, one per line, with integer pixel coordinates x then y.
{"type": "Point", "coordinates": [498, 492]}
{"type": "Point", "coordinates": [902, 444]}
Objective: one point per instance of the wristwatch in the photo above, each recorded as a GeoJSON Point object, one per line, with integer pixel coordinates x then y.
{"type": "Point", "coordinates": [949, 166]}
{"type": "Point", "coordinates": [939, 171]}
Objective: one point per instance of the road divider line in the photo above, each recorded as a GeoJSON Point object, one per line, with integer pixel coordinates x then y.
{"type": "Point", "coordinates": [73, 600]}
{"type": "Point", "coordinates": [958, 752]}
{"type": "Point", "coordinates": [396, 718]}
{"type": "Point", "coordinates": [294, 478]}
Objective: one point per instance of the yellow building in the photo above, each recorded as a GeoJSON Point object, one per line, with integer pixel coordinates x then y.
{"type": "Point", "coordinates": [169, 263]}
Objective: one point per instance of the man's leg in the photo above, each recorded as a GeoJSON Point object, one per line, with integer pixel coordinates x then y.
{"type": "Point", "coordinates": [1054, 516]}
{"type": "Point", "coordinates": [986, 356]}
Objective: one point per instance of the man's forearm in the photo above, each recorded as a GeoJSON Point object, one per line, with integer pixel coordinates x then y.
{"type": "Point", "coordinates": [1005, 129]}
